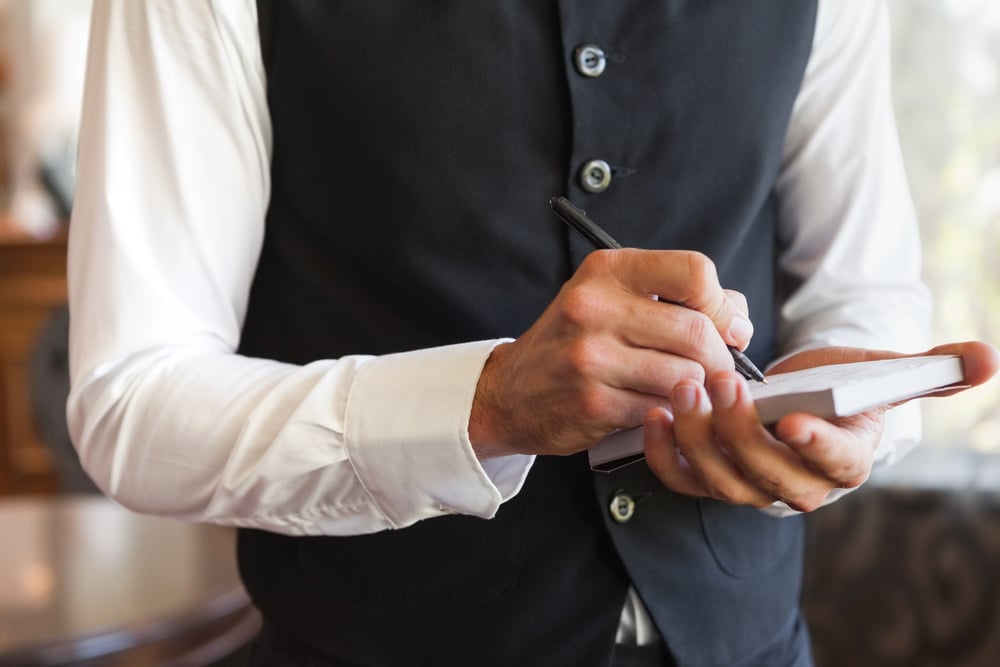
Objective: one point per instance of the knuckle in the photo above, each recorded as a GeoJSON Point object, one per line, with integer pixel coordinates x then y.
{"type": "Point", "coordinates": [728, 492]}
{"type": "Point", "coordinates": [669, 372]}
{"type": "Point", "coordinates": [739, 300]}
{"type": "Point", "coordinates": [854, 482]}
{"type": "Point", "coordinates": [581, 305]}
{"type": "Point", "coordinates": [598, 262]}
{"type": "Point", "coordinates": [594, 406]}
{"type": "Point", "coordinates": [702, 272]}
{"type": "Point", "coordinates": [700, 330]}
{"type": "Point", "coordinates": [691, 370]}
{"type": "Point", "coordinates": [809, 501]}
{"type": "Point", "coordinates": [808, 505]}
{"type": "Point", "coordinates": [765, 482]}
{"type": "Point", "coordinates": [848, 474]}
{"type": "Point", "coordinates": [585, 356]}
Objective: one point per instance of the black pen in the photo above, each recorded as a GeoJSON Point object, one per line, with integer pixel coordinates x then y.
{"type": "Point", "coordinates": [579, 221]}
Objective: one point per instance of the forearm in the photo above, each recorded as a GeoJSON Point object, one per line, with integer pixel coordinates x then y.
{"type": "Point", "coordinates": [168, 221]}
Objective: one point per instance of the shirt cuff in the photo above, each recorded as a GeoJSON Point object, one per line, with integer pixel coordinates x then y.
{"type": "Point", "coordinates": [406, 434]}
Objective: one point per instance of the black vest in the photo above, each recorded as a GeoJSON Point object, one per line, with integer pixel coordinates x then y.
{"type": "Point", "coordinates": [416, 145]}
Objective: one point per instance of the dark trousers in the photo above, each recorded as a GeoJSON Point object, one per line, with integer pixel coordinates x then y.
{"type": "Point", "coordinates": [790, 649]}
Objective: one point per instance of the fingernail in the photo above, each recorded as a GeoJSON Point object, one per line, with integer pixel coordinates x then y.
{"type": "Point", "coordinates": [684, 398]}
{"type": "Point", "coordinates": [741, 328]}
{"type": "Point", "coordinates": [724, 394]}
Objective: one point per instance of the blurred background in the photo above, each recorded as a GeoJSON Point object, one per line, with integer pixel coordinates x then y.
{"type": "Point", "coordinates": [947, 95]}
{"type": "Point", "coordinates": [82, 581]}
{"type": "Point", "coordinates": [903, 572]}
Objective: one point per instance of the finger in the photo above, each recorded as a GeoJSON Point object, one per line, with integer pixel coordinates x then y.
{"type": "Point", "coordinates": [703, 293]}
{"type": "Point", "coordinates": [686, 278]}
{"type": "Point", "coordinates": [602, 363]}
{"type": "Point", "coordinates": [680, 331]}
{"type": "Point", "coordinates": [662, 455]}
{"type": "Point", "coordinates": [651, 372]}
{"type": "Point", "coordinates": [738, 301]}
{"type": "Point", "coordinates": [695, 437]}
{"type": "Point", "coordinates": [764, 461]}
{"type": "Point", "coordinates": [592, 305]}
{"type": "Point", "coordinates": [841, 452]}
{"type": "Point", "coordinates": [980, 360]}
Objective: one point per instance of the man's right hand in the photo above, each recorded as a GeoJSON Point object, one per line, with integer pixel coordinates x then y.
{"type": "Point", "coordinates": [605, 352]}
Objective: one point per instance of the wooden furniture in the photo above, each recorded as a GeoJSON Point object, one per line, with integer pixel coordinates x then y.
{"type": "Point", "coordinates": [84, 582]}
{"type": "Point", "coordinates": [32, 284]}
{"type": "Point", "coordinates": [904, 571]}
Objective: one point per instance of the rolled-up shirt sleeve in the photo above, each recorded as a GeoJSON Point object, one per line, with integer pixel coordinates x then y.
{"type": "Point", "coordinates": [168, 221]}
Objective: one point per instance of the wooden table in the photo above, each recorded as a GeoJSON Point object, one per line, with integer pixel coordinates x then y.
{"type": "Point", "coordinates": [85, 582]}
{"type": "Point", "coordinates": [32, 286]}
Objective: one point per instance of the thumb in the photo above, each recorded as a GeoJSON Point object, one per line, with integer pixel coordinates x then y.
{"type": "Point", "coordinates": [726, 308]}
{"type": "Point", "coordinates": [980, 360]}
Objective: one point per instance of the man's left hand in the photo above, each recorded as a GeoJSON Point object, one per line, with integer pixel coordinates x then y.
{"type": "Point", "coordinates": [710, 443]}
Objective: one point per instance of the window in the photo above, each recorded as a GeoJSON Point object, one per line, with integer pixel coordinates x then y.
{"type": "Point", "coordinates": [946, 59]}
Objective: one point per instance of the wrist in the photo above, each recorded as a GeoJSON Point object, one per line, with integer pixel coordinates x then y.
{"type": "Point", "coordinates": [486, 432]}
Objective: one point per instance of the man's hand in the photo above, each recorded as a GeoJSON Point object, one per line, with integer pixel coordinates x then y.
{"type": "Point", "coordinates": [710, 442]}
{"type": "Point", "coordinates": [605, 352]}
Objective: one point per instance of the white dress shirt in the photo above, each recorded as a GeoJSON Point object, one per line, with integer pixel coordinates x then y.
{"type": "Point", "coordinates": [168, 222]}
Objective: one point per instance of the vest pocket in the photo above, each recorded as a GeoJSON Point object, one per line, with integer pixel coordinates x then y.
{"type": "Point", "coordinates": [745, 540]}
{"type": "Point", "coordinates": [444, 563]}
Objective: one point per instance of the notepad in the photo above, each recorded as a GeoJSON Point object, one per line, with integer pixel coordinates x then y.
{"type": "Point", "coordinates": [837, 390]}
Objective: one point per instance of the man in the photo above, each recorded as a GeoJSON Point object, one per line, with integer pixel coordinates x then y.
{"type": "Point", "coordinates": [293, 218]}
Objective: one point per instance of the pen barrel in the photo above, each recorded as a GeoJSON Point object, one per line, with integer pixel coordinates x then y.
{"type": "Point", "coordinates": [578, 220]}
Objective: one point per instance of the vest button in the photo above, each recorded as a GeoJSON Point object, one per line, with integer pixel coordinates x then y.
{"type": "Point", "coordinates": [595, 176]}
{"type": "Point", "coordinates": [590, 60]}
{"type": "Point", "coordinates": [622, 507]}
